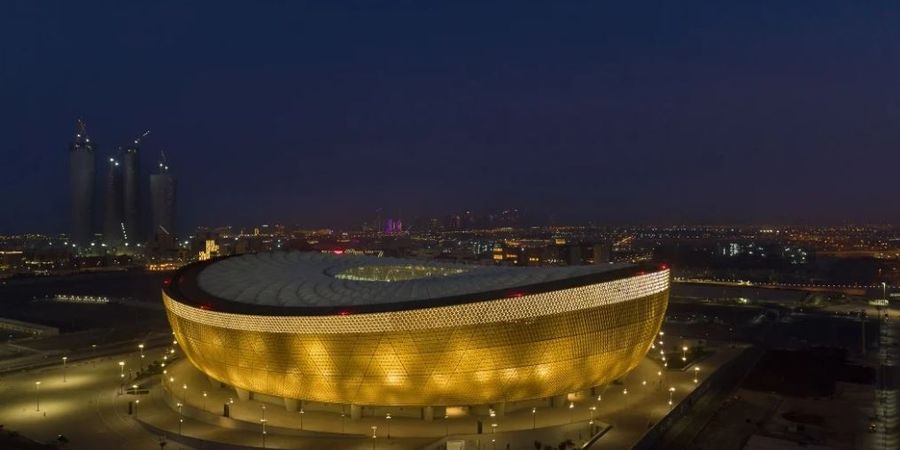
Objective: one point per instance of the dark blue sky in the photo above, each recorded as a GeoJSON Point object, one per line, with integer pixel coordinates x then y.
{"type": "Point", "coordinates": [763, 111]}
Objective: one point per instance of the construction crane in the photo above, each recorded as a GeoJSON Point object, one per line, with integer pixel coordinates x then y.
{"type": "Point", "coordinates": [138, 140]}
{"type": "Point", "coordinates": [163, 166]}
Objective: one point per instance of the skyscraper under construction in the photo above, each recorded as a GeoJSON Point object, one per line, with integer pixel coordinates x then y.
{"type": "Point", "coordinates": [162, 199]}
{"type": "Point", "coordinates": [130, 190]}
{"type": "Point", "coordinates": [113, 220]}
{"type": "Point", "coordinates": [81, 185]}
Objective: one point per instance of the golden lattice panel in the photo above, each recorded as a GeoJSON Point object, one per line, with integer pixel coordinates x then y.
{"type": "Point", "coordinates": [507, 349]}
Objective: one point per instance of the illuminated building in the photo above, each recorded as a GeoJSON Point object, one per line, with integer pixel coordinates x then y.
{"type": "Point", "coordinates": [81, 178]}
{"type": "Point", "coordinates": [210, 250]}
{"type": "Point", "coordinates": [370, 332]}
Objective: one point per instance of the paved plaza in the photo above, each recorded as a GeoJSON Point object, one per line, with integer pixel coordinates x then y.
{"type": "Point", "coordinates": [92, 411]}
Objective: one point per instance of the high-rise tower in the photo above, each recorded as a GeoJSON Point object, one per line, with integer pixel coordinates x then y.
{"type": "Point", "coordinates": [81, 185]}
{"type": "Point", "coordinates": [130, 191]}
{"type": "Point", "coordinates": [113, 219]}
{"type": "Point", "coordinates": [162, 198]}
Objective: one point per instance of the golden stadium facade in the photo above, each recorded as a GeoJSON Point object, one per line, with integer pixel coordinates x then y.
{"type": "Point", "coordinates": [391, 332]}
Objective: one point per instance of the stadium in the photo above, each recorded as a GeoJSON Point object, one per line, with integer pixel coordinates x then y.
{"type": "Point", "coordinates": [326, 329]}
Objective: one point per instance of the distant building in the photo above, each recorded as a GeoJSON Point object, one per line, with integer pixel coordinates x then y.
{"type": "Point", "coordinates": [162, 201]}
{"type": "Point", "coordinates": [210, 251]}
{"type": "Point", "coordinates": [393, 226]}
{"type": "Point", "coordinates": [112, 219]}
{"type": "Point", "coordinates": [130, 192]}
{"type": "Point", "coordinates": [602, 253]}
{"type": "Point", "coordinates": [81, 187]}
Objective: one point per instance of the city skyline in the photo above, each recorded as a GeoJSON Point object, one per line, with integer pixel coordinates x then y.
{"type": "Point", "coordinates": [603, 114]}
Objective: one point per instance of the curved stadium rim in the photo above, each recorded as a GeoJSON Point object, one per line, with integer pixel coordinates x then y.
{"type": "Point", "coordinates": [182, 287]}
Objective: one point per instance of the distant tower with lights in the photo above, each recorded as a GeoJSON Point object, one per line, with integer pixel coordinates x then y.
{"type": "Point", "coordinates": [162, 199]}
{"type": "Point", "coordinates": [81, 185]}
{"type": "Point", "coordinates": [130, 191]}
{"type": "Point", "coordinates": [113, 221]}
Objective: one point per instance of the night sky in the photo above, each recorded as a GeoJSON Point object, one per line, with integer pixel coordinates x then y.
{"type": "Point", "coordinates": [315, 114]}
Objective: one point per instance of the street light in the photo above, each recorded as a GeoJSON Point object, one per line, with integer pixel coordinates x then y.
{"type": "Point", "coordinates": [684, 353]}
{"type": "Point", "coordinates": [696, 372]}
{"type": "Point", "coordinates": [37, 395]}
{"type": "Point", "coordinates": [671, 392]}
{"type": "Point", "coordinates": [263, 421]}
{"type": "Point", "coordinates": [387, 417]}
{"type": "Point", "coordinates": [204, 400]}
{"type": "Point", "coordinates": [64, 358]}
{"type": "Point", "coordinates": [374, 435]}
{"type": "Point", "coordinates": [180, 417]}
{"type": "Point", "coordinates": [136, 403]}
{"type": "Point", "coordinates": [184, 393]}
{"type": "Point", "coordinates": [141, 349]}
{"type": "Point", "coordinates": [121, 369]}
{"type": "Point", "coordinates": [301, 419]}
{"type": "Point", "coordinates": [533, 418]}
{"type": "Point", "coordinates": [571, 411]}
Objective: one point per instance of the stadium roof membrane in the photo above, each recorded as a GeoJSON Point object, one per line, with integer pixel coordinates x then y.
{"type": "Point", "coordinates": [323, 281]}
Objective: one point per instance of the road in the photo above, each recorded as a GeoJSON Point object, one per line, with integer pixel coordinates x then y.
{"type": "Point", "coordinates": [86, 407]}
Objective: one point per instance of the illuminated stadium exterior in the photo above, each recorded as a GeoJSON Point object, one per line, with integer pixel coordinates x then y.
{"type": "Point", "coordinates": [359, 330]}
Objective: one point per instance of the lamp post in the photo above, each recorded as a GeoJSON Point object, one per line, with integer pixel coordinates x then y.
{"type": "Point", "coordinates": [263, 421]}
{"type": "Point", "coordinates": [180, 417]}
{"type": "Point", "coordinates": [696, 373]}
{"type": "Point", "coordinates": [301, 419]}
{"type": "Point", "coordinates": [571, 411]}
{"type": "Point", "coordinates": [684, 353]}
{"type": "Point", "coordinates": [94, 354]}
{"type": "Point", "coordinates": [494, 436]}
{"type": "Point", "coordinates": [533, 418]}
{"type": "Point", "coordinates": [446, 425]}
{"type": "Point", "coordinates": [204, 400]}
{"type": "Point", "coordinates": [387, 417]}
{"type": "Point", "coordinates": [141, 349]}
{"type": "Point", "coordinates": [136, 403]}
{"type": "Point", "coordinates": [37, 395]}
{"type": "Point", "coordinates": [64, 358]}
{"type": "Point", "coordinates": [671, 392]}
{"type": "Point", "coordinates": [374, 435]}
{"type": "Point", "coordinates": [122, 369]}
{"type": "Point", "coordinates": [184, 393]}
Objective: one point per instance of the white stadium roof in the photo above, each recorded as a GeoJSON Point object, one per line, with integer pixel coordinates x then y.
{"type": "Point", "coordinates": [309, 279]}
